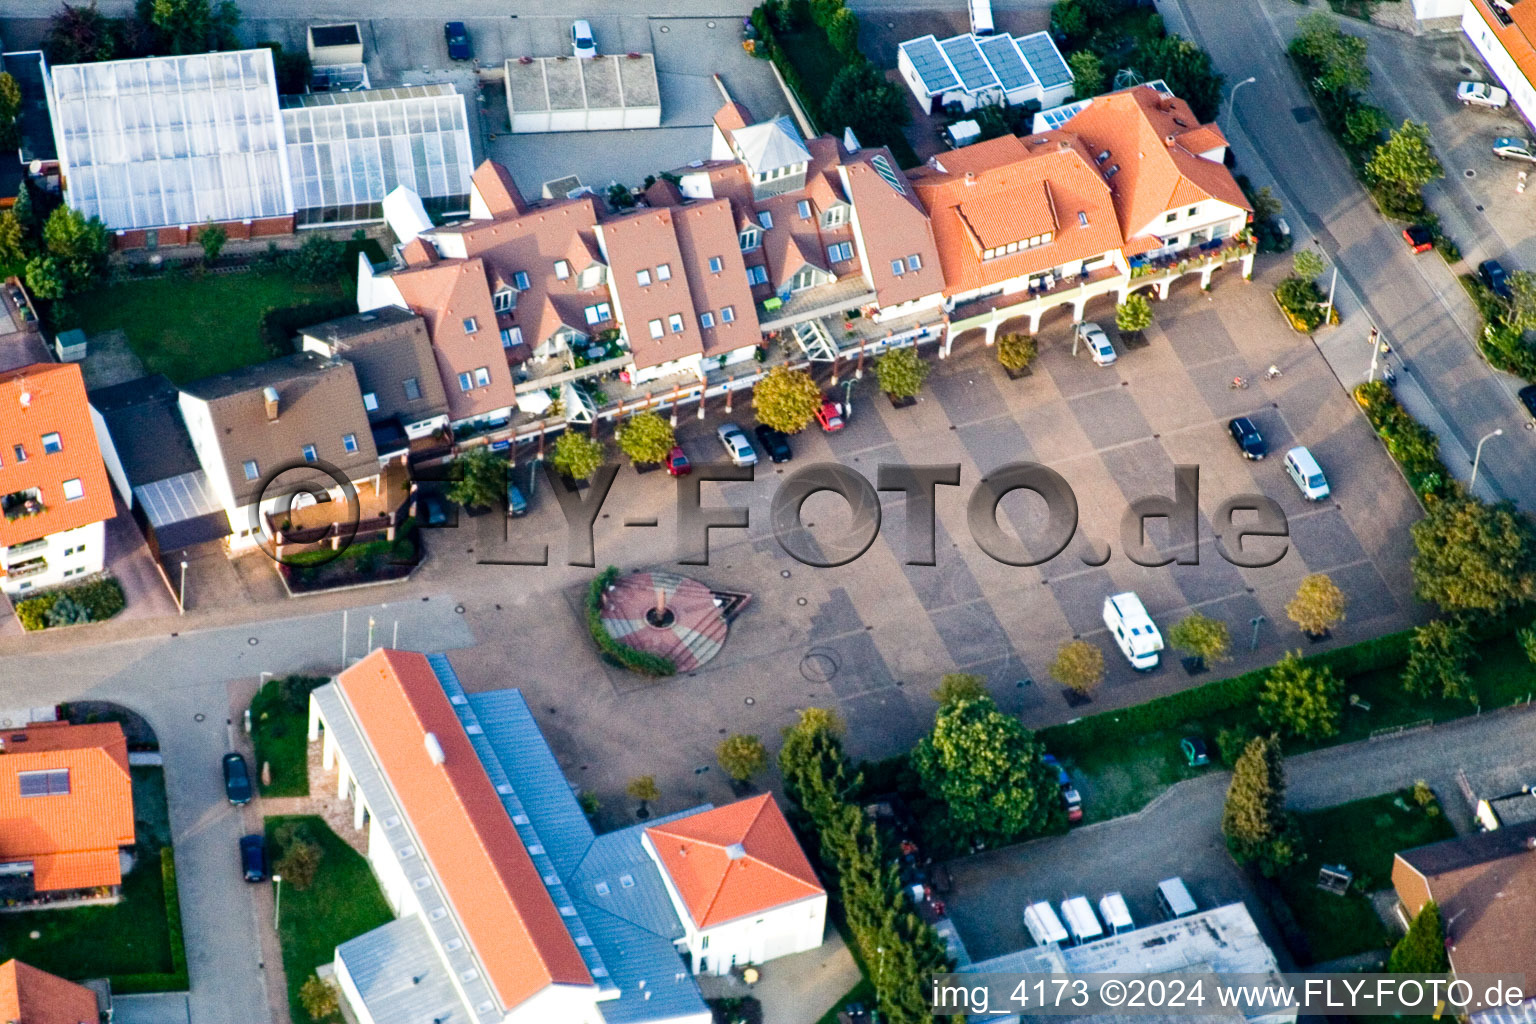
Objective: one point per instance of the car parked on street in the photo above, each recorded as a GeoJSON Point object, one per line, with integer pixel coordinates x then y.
{"type": "Point", "coordinates": [1195, 753]}
{"type": "Point", "coordinates": [737, 448]}
{"type": "Point", "coordinates": [237, 779]}
{"type": "Point", "coordinates": [1099, 348]}
{"type": "Point", "coordinates": [1514, 149]}
{"type": "Point", "coordinates": [830, 416]}
{"type": "Point", "coordinates": [1481, 94]}
{"type": "Point", "coordinates": [1419, 238]}
{"type": "Point", "coordinates": [774, 442]}
{"type": "Point", "coordinates": [517, 504]}
{"type": "Point", "coordinates": [677, 462]}
{"type": "Point", "coordinates": [1527, 396]}
{"type": "Point", "coordinates": [1249, 441]}
{"type": "Point", "coordinates": [457, 38]}
{"type": "Point", "coordinates": [583, 45]}
{"type": "Point", "coordinates": [1495, 277]}
{"type": "Point", "coordinates": [253, 858]}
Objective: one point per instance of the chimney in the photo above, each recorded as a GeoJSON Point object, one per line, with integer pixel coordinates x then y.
{"type": "Point", "coordinates": [434, 748]}
{"type": "Point", "coordinates": [1062, 145]}
{"type": "Point", "coordinates": [1168, 140]}
{"type": "Point", "coordinates": [970, 177]}
{"type": "Point", "coordinates": [269, 397]}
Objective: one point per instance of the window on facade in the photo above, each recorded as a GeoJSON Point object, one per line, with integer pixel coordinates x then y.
{"type": "Point", "coordinates": [765, 219]}
{"type": "Point", "coordinates": [252, 471]}
{"type": "Point", "coordinates": [520, 281]}
{"type": "Point", "coordinates": [656, 329]}
{"type": "Point", "coordinates": [841, 252]}
{"type": "Point", "coordinates": [675, 322]}
{"type": "Point", "coordinates": [465, 382]}
{"type": "Point", "coordinates": [371, 401]}
{"type": "Point", "coordinates": [1218, 231]}
{"type": "Point", "coordinates": [413, 387]}
{"type": "Point", "coordinates": [664, 272]}
{"type": "Point", "coordinates": [834, 217]}
{"type": "Point", "coordinates": [310, 455]}
{"type": "Point", "coordinates": [803, 207]}
{"type": "Point", "coordinates": [511, 336]}
{"type": "Point", "coordinates": [504, 301]}
{"type": "Point", "coordinates": [73, 489]}
{"type": "Point", "coordinates": [470, 326]}
{"type": "Point", "coordinates": [715, 265]}
{"type": "Point", "coordinates": [482, 376]}
{"type": "Point", "coordinates": [562, 270]}
{"type": "Point", "coordinates": [1191, 211]}
{"type": "Point", "coordinates": [804, 278]}
{"type": "Point", "coordinates": [21, 453]}
{"type": "Point", "coordinates": [643, 276]}
{"type": "Point", "coordinates": [349, 442]}
{"type": "Point", "coordinates": [49, 782]}
{"type": "Point", "coordinates": [757, 274]}
{"type": "Point", "coordinates": [914, 263]}
{"type": "Point", "coordinates": [1197, 237]}
{"type": "Point", "coordinates": [748, 239]}
{"type": "Point", "coordinates": [52, 443]}
{"type": "Point", "coordinates": [898, 267]}
{"type": "Point", "coordinates": [727, 314]}
{"type": "Point", "coordinates": [706, 319]}
{"type": "Point", "coordinates": [599, 313]}
{"type": "Point", "coordinates": [1171, 217]}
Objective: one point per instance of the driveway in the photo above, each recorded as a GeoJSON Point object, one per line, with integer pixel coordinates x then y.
{"type": "Point", "coordinates": [1180, 832]}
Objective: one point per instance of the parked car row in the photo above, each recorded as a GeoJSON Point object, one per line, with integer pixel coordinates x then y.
{"type": "Point", "coordinates": [1113, 918]}
{"type": "Point", "coordinates": [583, 42]}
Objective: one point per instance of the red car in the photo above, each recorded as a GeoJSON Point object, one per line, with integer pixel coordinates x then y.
{"type": "Point", "coordinates": [830, 417]}
{"type": "Point", "coordinates": [677, 462]}
{"type": "Point", "coordinates": [1419, 238]}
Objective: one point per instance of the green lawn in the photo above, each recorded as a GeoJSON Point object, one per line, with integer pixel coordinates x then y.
{"type": "Point", "coordinates": [343, 903]}
{"type": "Point", "coordinates": [817, 62]}
{"type": "Point", "coordinates": [279, 734]}
{"type": "Point", "coordinates": [1363, 836]}
{"type": "Point", "coordinates": [129, 938]}
{"type": "Point", "coordinates": [188, 327]}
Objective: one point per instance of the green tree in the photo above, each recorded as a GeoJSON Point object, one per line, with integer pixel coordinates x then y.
{"type": "Point", "coordinates": [786, 399]}
{"type": "Point", "coordinates": [1079, 666]}
{"type": "Point", "coordinates": [813, 765]}
{"type": "Point", "coordinates": [80, 245]}
{"type": "Point", "coordinates": [646, 438]}
{"type": "Point", "coordinates": [843, 32]}
{"type": "Point", "coordinates": [1364, 126]}
{"type": "Point", "coordinates": [318, 259]}
{"type": "Point", "coordinates": [14, 248]}
{"type": "Point", "coordinates": [10, 110]}
{"type": "Point", "coordinates": [1438, 656]}
{"type": "Point", "coordinates": [1335, 58]}
{"type": "Point", "coordinates": [1474, 557]}
{"type": "Point", "coordinates": [1308, 264]}
{"type": "Point", "coordinates": [741, 756]}
{"type": "Point", "coordinates": [1527, 637]}
{"type": "Point", "coordinates": [860, 98]}
{"type": "Point", "coordinates": [300, 861]}
{"type": "Point", "coordinates": [45, 278]}
{"type": "Point", "coordinates": [479, 479]}
{"type": "Point", "coordinates": [1405, 162]}
{"type": "Point", "coordinates": [212, 239]}
{"type": "Point", "coordinates": [1201, 637]}
{"type": "Point", "coordinates": [189, 26]}
{"type": "Point", "coordinates": [1422, 949]}
{"type": "Point", "coordinates": [576, 455]}
{"type": "Point", "coordinates": [958, 686]}
{"type": "Point", "coordinates": [1301, 700]}
{"type": "Point", "coordinates": [1521, 305]}
{"type": "Point", "coordinates": [1087, 74]}
{"type": "Point", "coordinates": [1016, 351]}
{"type": "Point", "coordinates": [1318, 605]}
{"type": "Point", "coordinates": [1186, 69]}
{"type": "Point", "coordinates": [319, 999]}
{"type": "Point", "coordinates": [985, 768]}
{"type": "Point", "coordinates": [1134, 314]}
{"type": "Point", "coordinates": [81, 34]}
{"type": "Point", "coordinates": [66, 611]}
{"type": "Point", "coordinates": [1265, 205]}
{"type": "Point", "coordinates": [901, 372]}
{"type": "Point", "coordinates": [1069, 23]}
{"type": "Point", "coordinates": [1258, 831]}
{"type": "Point", "coordinates": [644, 789]}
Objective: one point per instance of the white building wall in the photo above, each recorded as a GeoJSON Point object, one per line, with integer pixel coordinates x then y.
{"type": "Point", "coordinates": [349, 993]}
{"type": "Point", "coordinates": [569, 1004]}
{"type": "Point", "coordinates": [793, 928]}
{"type": "Point", "coordinates": [1207, 215]}
{"type": "Point", "coordinates": [1423, 9]}
{"type": "Point", "coordinates": [1499, 61]}
{"type": "Point", "coordinates": [110, 458]}
{"type": "Point", "coordinates": [86, 545]}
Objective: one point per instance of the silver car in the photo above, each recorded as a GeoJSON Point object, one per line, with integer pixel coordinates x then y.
{"type": "Point", "coordinates": [1514, 149]}
{"type": "Point", "coordinates": [737, 447]}
{"type": "Point", "coordinates": [1099, 348]}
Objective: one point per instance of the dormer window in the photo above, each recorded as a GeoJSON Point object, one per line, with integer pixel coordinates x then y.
{"type": "Point", "coordinates": [470, 325]}
{"type": "Point", "coordinates": [835, 217]}
{"type": "Point", "coordinates": [310, 454]}
{"type": "Point", "coordinates": [504, 301]}
{"type": "Point", "coordinates": [765, 219]}
{"type": "Point", "coordinates": [664, 272]}
{"type": "Point", "coordinates": [520, 281]}
{"type": "Point", "coordinates": [52, 444]}
{"type": "Point", "coordinates": [675, 322]}
{"type": "Point", "coordinates": [562, 270]}
{"type": "Point", "coordinates": [749, 239]}
{"type": "Point", "coordinates": [803, 207]}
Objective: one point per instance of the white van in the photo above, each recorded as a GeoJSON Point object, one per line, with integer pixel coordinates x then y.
{"type": "Point", "coordinates": [1133, 630]}
{"type": "Point", "coordinates": [1116, 915]}
{"type": "Point", "coordinates": [1043, 925]}
{"type": "Point", "coordinates": [1081, 920]}
{"type": "Point", "coordinates": [1173, 899]}
{"type": "Point", "coordinates": [981, 17]}
{"type": "Point", "coordinates": [1307, 474]}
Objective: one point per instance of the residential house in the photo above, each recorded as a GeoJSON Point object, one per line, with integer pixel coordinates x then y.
{"type": "Point", "coordinates": [256, 429]}
{"type": "Point", "coordinates": [1504, 34]}
{"type": "Point", "coordinates": [740, 884]}
{"type": "Point", "coordinates": [970, 71]}
{"type": "Point", "coordinates": [150, 459]}
{"type": "Point", "coordinates": [509, 908]}
{"type": "Point", "coordinates": [396, 371]}
{"type": "Point", "coordinates": [31, 996]}
{"type": "Point", "coordinates": [1485, 887]}
{"type": "Point", "coordinates": [54, 493]}
{"type": "Point", "coordinates": [66, 808]}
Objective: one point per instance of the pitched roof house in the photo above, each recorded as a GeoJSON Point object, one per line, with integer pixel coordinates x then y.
{"type": "Point", "coordinates": [31, 996]}
{"type": "Point", "coordinates": [66, 805]}
{"type": "Point", "coordinates": [54, 493]}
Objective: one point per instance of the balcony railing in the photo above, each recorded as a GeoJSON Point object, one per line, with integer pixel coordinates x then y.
{"type": "Point", "coordinates": [26, 546]}
{"type": "Point", "coordinates": [27, 569]}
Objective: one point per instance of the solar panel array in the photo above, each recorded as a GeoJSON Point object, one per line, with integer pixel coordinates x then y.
{"type": "Point", "coordinates": [1006, 62]}
{"type": "Point", "coordinates": [1045, 59]}
{"type": "Point", "coordinates": [1058, 116]}
{"type": "Point", "coordinates": [965, 57]}
{"type": "Point", "coordinates": [931, 66]}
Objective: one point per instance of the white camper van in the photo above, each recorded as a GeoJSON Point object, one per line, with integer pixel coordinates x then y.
{"type": "Point", "coordinates": [1116, 915]}
{"type": "Point", "coordinates": [1133, 630]}
{"type": "Point", "coordinates": [981, 17]}
{"type": "Point", "coordinates": [1081, 920]}
{"type": "Point", "coordinates": [1043, 925]}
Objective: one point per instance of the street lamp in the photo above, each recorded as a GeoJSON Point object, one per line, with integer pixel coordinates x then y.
{"type": "Point", "coordinates": [1257, 621]}
{"type": "Point", "coordinates": [181, 596]}
{"type": "Point", "coordinates": [1232, 96]}
{"type": "Point", "coordinates": [1478, 457]}
{"type": "Point", "coordinates": [848, 401]}
{"type": "Point", "coordinates": [277, 913]}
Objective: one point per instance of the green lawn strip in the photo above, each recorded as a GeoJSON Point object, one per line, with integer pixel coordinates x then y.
{"type": "Point", "coordinates": [1363, 836]}
{"type": "Point", "coordinates": [343, 903]}
{"type": "Point", "coordinates": [1124, 758]}
{"type": "Point", "coordinates": [279, 734]}
{"type": "Point", "coordinates": [188, 327]}
{"type": "Point", "coordinates": [863, 992]}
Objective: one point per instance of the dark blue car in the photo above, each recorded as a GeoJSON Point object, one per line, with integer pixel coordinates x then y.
{"type": "Point", "coordinates": [458, 41]}
{"type": "Point", "coordinates": [1493, 275]}
{"type": "Point", "coordinates": [237, 779]}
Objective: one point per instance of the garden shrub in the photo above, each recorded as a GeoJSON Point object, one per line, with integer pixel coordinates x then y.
{"type": "Point", "coordinates": [280, 324]}
{"type": "Point", "coordinates": [642, 662]}
{"type": "Point", "coordinates": [94, 600]}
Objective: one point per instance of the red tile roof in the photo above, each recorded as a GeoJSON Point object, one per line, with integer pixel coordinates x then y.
{"type": "Point", "coordinates": [31, 996]}
{"type": "Point", "coordinates": [645, 241]}
{"type": "Point", "coordinates": [445, 294]}
{"type": "Point", "coordinates": [734, 861]}
{"type": "Point", "coordinates": [892, 225]}
{"type": "Point", "coordinates": [72, 839]}
{"type": "Point", "coordinates": [707, 229]}
{"type": "Point", "coordinates": [494, 184]}
{"type": "Point", "coordinates": [49, 398]}
{"type": "Point", "coordinates": [462, 826]}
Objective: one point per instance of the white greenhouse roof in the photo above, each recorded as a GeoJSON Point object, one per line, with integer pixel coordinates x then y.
{"type": "Point", "coordinates": [168, 141]}
{"type": "Point", "coordinates": [356, 147]}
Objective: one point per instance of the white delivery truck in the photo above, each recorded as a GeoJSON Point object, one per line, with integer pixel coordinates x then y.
{"type": "Point", "coordinates": [1173, 899]}
{"type": "Point", "coordinates": [1133, 630]}
{"type": "Point", "coordinates": [1081, 920]}
{"type": "Point", "coordinates": [1043, 925]}
{"type": "Point", "coordinates": [1116, 915]}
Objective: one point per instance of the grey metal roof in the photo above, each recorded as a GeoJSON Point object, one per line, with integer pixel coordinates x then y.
{"type": "Point", "coordinates": [930, 64]}
{"type": "Point", "coordinates": [144, 422]}
{"type": "Point", "coordinates": [965, 57]}
{"type": "Point", "coordinates": [771, 145]}
{"type": "Point", "coordinates": [618, 876]}
{"type": "Point", "coordinates": [177, 499]}
{"type": "Point", "coordinates": [1044, 59]}
{"type": "Point", "coordinates": [399, 975]}
{"type": "Point", "coordinates": [652, 981]}
{"type": "Point", "coordinates": [1006, 62]}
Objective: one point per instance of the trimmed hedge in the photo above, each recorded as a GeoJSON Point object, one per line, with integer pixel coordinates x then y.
{"type": "Point", "coordinates": [641, 662]}
{"type": "Point", "coordinates": [176, 979]}
{"type": "Point", "coordinates": [101, 598]}
{"type": "Point", "coordinates": [1414, 446]}
{"type": "Point", "coordinates": [1503, 346]}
